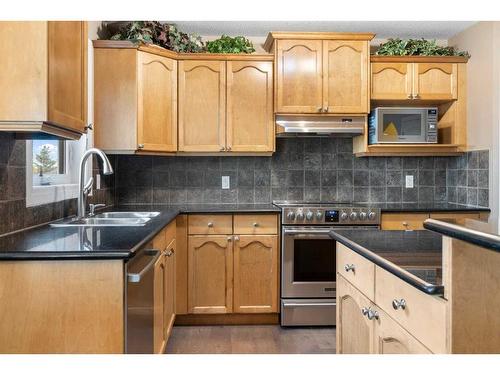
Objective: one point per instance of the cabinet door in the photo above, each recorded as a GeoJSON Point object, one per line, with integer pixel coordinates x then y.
{"type": "Point", "coordinates": [23, 77]}
{"type": "Point", "coordinates": [391, 81]}
{"type": "Point", "coordinates": [256, 274]}
{"type": "Point", "coordinates": [250, 120]}
{"type": "Point", "coordinates": [202, 106]}
{"type": "Point", "coordinates": [159, 306]}
{"type": "Point", "coordinates": [156, 103]}
{"type": "Point", "coordinates": [210, 275]}
{"type": "Point", "coordinates": [67, 74]}
{"type": "Point", "coordinates": [299, 76]}
{"type": "Point", "coordinates": [354, 330]}
{"type": "Point", "coordinates": [391, 338]}
{"type": "Point", "coordinates": [345, 77]}
{"type": "Point", "coordinates": [169, 288]}
{"type": "Point", "coordinates": [435, 81]}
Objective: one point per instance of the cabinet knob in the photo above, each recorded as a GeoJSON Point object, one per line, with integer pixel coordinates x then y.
{"type": "Point", "coordinates": [210, 224]}
{"type": "Point", "coordinates": [364, 311]}
{"type": "Point", "coordinates": [325, 109]}
{"type": "Point", "coordinates": [349, 267]}
{"type": "Point", "coordinates": [398, 304]}
{"type": "Point", "coordinates": [229, 238]}
{"type": "Point", "coordinates": [236, 238]}
{"type": "Point", "coordinates": [228, 148]}
{"type": "Point", "coordinates": [410, 96]}
{"type": "Point", "coordinates": [255, 225]}
{"type": "Point", "coordinates": [416, 96]}
{"type": "Point", "coordinates": [405, 224]}
{"type": "Point", "coordinates": [369, 313]}
{"type": "Point", "coordinates": [223, 148]}
{"type": "Point", "coordinates": [140, 146]}
{"type": "Point", "coordinates": [320, 109]}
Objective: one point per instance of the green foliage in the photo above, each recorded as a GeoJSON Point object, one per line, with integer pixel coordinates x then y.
{"type": "Point", "coordinates": [416, 47]}
{"type": "Point", "coordinates": [162, 34]}
{"type": "Point", "coordinates": [227, 44]}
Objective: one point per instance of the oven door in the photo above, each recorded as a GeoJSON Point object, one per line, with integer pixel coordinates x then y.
{"type": "Point", "coordinates": [308, 259]}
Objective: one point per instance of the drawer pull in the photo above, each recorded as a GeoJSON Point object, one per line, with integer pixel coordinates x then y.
{"type": "Point", "coordinates": [398, 304]}
{"type": "Point", "coordinates": [349, 267]}
{"type": "Point", "coordinates": [210, 225]}
{"type": "Point", "coordinates": [369, 313]}
{"type": "Point", "coordinates": [255, 225]}
{"type": "Point", "coordinates": [364, 311]}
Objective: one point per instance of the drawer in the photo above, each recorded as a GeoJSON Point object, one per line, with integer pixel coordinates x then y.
{"type": "Point", "coordinates": [210, 224]}
{"type": "Point", "coordinates": [458, 217]}
{"type": "Point", "coordinates": [356, 269]}
{"type": "Point", "coordinates": [403, 221]}
{"type": "Point", "coordinates": [255, 224]}
{"type": "Point", "coordinates": [424, 316]}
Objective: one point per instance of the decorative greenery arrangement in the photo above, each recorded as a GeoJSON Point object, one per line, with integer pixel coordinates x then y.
{"type": "Point", "coordinates": [162, 34]}
{"type": "Point", "coordinates": [416, 47]}
{"type": "Point", "coordinates": [227, 44]}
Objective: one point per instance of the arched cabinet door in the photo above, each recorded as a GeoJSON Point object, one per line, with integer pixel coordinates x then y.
{"type": "Point", "coordinates": [435, 81]}
{"type": "Point", "coordinates": [346, 76]}
{"type": "Point", "coordinates": [256, 273]}
{"type": "Point", "coordinates": [354, 330]}
{"type": "Point", "coordinates": [299, 76]}
{"type": "Point", "coordinates": [202, 106]}
{"type": "Point", "coordinates": [250, 120]}
{"type": "Point", "coordinates": [391, 81]}
{"type": "Point", "coordinates": [210, 274]}
{"type": "Point", "coordinates": [157, 103]}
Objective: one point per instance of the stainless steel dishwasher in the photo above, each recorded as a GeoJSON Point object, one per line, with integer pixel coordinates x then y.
{"type": "Point", "coordinates": [140, 302]}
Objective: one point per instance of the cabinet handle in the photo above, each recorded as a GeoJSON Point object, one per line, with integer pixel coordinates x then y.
{"type": "Point", "coordinates": [229, 238]}
{"type": "Point", "coordinates": [223, 148]}
{"type": "Point", "coordinates": [210, 225]}
{"type": "Point", "coordinates": [410, 96]}
{"type": "Point", "coordinates": [416, 96]}
{"type": "Point", "coordinates": [325, 110]}
{"type": "Point", "coordinates": [228, 148]}
{"type": "Point", "coordinates": [320, 109]}
{"type": "Point", "coordinates": [369, 313]}
{"type": "Point", "coordinates": [255, 225]}
{"type": "Point", "coordinates": [169, 253]}
{"type": "Point", "coordinates": [405, 224]}
{"type": "Point", "coordinates": [140, 146]}
{"type": "Point", "coordinates": [398, 304]}
{"type": "Point", "coordinates": [364, 311]}
{"type": "Point", "coordinates": [349, 267]}
{"type": "Point", "coordinates": [236, 238]}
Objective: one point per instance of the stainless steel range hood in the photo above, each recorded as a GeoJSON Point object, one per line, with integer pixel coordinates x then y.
{"type": "Point", "coordinates": [38, 130]}
{"type": "Point", "coordinates": [320, 125]}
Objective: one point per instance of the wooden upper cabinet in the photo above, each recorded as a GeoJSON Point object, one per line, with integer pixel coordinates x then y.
{"type": "Point", "coordinates": [299, 76]}
{"type": "Point", "coordinates": [354, 330]}
{"type": "Point", "coordinates": [210, 274]}
{"type": "Point", "coordinates": [250, 120]}
{"type": "Point", "coordinates": [156, 103]}
{"type": "Point", "coordinates": [202, 105]}
{"type": "Point", "coordinates": [255, 274]}
{"type": "Point", "coordinates": [67, 74]}
{"type": "Point", "coordinates": [435, 81]}
{"type": "Point", "coordinates": [391, 80]}
{"type": "Point", "coordinates": [346, 76]}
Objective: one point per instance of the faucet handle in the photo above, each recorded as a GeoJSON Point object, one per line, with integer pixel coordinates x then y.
{"type": "Point", "coordinates": [92, 208]}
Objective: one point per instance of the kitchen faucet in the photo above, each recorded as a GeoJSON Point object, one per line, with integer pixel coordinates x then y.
{"type": "Point", "coordinates": [84, 190]}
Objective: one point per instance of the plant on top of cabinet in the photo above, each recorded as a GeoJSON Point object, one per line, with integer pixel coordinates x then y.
{"type": "Point", "coordinates": [417, 47]}
{"type": "Point", "coordinates": [227, 44]}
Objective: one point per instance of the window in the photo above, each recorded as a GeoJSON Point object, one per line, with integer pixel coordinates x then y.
{"type": "Point", "coordinates": [52, 170]}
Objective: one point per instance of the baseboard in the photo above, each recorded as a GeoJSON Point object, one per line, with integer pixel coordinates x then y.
{"type": "Point", "coordinates": [226, 319]}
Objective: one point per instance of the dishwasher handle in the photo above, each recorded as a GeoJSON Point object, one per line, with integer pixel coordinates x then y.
{"type": "Point", "coordinates": [136, 277]}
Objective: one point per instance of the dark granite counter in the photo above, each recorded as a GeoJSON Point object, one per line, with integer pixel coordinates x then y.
{"type": "Point", "coordinates": [51, 243]}
{"type": "Point", "coordinates": [413, 256]}
{"type": "Point", "coordinates": [427, 207]}
{"type": "Point", "coordinates": [480, 233]}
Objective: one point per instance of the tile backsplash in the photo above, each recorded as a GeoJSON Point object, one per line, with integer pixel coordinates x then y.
{"type": "Point", "coordinates": [302, 169]}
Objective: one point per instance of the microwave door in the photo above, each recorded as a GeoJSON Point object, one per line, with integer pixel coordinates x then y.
{"type": "Point", "coordinates": [403, 126]}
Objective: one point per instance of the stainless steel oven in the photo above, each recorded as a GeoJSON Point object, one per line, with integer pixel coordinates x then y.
{"type": "Point", "coordinates": [308, 259]}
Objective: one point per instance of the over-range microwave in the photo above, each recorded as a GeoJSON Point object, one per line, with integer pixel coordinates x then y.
{"type": "Point", "coordinates": [403, 125]}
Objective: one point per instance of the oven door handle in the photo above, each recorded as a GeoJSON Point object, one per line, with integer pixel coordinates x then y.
{"type": "Point", "coordinates": [307, 231]}
{"type": "Point", "coordinates": [296, 304]}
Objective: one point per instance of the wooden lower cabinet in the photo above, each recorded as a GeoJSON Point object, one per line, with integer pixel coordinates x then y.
{"type": "Point", "coordinates": [255, 274]}
{"type": "Point", "coordinates": [415, 220]}
{"type": "Point", "coordinates": [159, 306]}
{"type": "Point", "coordinates": [210, 274]}
{"type": "Point", "coordinates": [169, 288]}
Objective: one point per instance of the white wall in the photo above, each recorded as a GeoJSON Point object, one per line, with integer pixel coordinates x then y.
{"type": "Point", "coordinates": [482, 40]}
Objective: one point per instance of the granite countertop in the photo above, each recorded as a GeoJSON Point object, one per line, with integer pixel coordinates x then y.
{"type": "Point", "coordinates": [427, 207]}
{"type": "Point", "coordinates": [413, 256]}
{"type": "Point", "coordinates": [481, 233]}
{"type": "Point", "coordinates": [50, 243]}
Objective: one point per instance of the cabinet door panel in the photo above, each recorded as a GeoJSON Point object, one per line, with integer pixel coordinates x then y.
{"type": "Point", "coordinates": [354, 330]}
{"type": "Point", "coordinates": [345, 81]}
{"type": "Point", "coordinates": [391, 338]}
{"type": "Point", "coordinates": [67, 81]}
{"type": "Point", "coordinates": [169, 288]}
{"type": "Point", "coordinates": [299, 74]}
{"type": "Point", "coordinates": [159, 306]}
{"type": "Point", "coordinates": [391, 81]}
{"type": "Point", "coordinates": [202, 106]}
{"type": "Point", "coordinates": [435, 81]}
{"type": "Point", "coordinates": [157, 103]}
{"type": "Point", "coordinates": [256, 274]}
{"type": "Point", "coordinates": [250, 120]}
{"type": "Point", "coordinates": [210, 275]}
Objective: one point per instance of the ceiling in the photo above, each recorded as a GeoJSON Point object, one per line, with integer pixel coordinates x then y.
{"type": "Point", "coordinates": [383, 29]}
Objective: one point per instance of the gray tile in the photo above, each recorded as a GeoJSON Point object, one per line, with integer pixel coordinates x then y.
{"type": "Point", "coordinates": [194, 195]}
{"type": "Point", "coordinates": [262, 177]}
{"type": "Point", "coordinates": [312, 161]}
{"type": "Point", "coordinates": [295, 161]}
{"type": "Point", "coordinates": [344, 178]}
{"type": "Point", "coordinates": [425, 177]}
{"type": "Point", "coordinates": [394, 194]}
{"type": "Point", "coordinates": [278, 178]}
{"type": "Point", "coordinates": [410, 163]}
{"type": "Point", "coordinates": [263, 194]}
{"type": "Point", "coordinates": [462, 195]}
{"type": "Point", "coordinates": [178, 196]}
{"type": "Point", "coordinates": [425, 193]}
{"type": "Point", "coordinates": [278, 193]}
{"type": "Point", "coordinates": [440, 194]}
{"type": "Point", "coordinates": [143, 195]}
{"type": "Point", "coordinates": [483, 197]}
{"type": "Point", "coordinates": [328, 146]}
{"type": "Point", "coordinates": [229, 196]}
{"type": "Point", "coordinates": [245, 177]}
{"type": "Point", "coordinates": [462, 177]}
{"type": "Point", "coordinates": [328, 178]}
{"type": "Point", "coordinates": [462, 161]}
{"type": "Point", "coordinates": [211, 195]}
{"type": "Point", "coordinates": [410, 195]}
{"type": "Point", "coordinates": [246, 162]}
{"type": "Point", "coordinates": [473, 160]}
{"type": "Point", "coordinates": [451, 177]}
{"type": "Point", "coordinates": [245, 195]}
{"type": "Point", "coordinates": [452, 194]}
{"type": "Point", "coordinates": [16, 183]}
{"type": "Point", "coordinates": [161, 195]}
{"type": "Point", "coordinates": [312, 178]}
{"type": "Point", "coordinates": [361, 163]}
{"type": "Point", "coordinates": [452, 162]}
{"type": "Point", "coordinates": [472, 178]}
{"type": "Point", "coordinates": [329, 161]}
{"type": "Point", "coordinates": [472, 196]}
{"type": "Point", "coordinates": [312, 145]}
{"type": "Point", "coordinates": [377, 163]}
{"type": "Point", "coordinates": [483, 159]}
{"type": "Point", "coordinates": [345, 161]}
{"type": "Point", "coordinates": [17, 153]}
{"type": "Point", "coordinates": [328, 194]}
{"type": "Point", "coordinates": [377, 177]}
{"type": "Point", "coordinates": [426, 162]}
{"type": "Point", "coordinates": [212, 179]}
{"type": "Point", "coordinates": [344, 193]}
{"type": "Point", "coordinates": [394, 178]}
{"type": "Point", "coordinates": [440, 163]}
{"type": "Point", "coordinates": [295, 178]}
{"type": "Point", "coordinates": [160, 179]}
{"type": "Point", "coordinates": [361, 178]}
{"type": "Point", "coordinates": [394, 163]}
{"type": "Point", "coordinates": [229, 163]}
{"type": "Point", "coordinates": [378, 194]}
{"type": "Point", "coordinates": [262, 162]}
{"type": "Point", "coordinates": [312, 194]}
{"type": "Point", "coordinates": [144, 178]}
{"type": "Point", "coordinates": [295, 193]}
{"type": "Point", "coordinates": [178, 178]}
{"type": "Point", "coordinates": [361, 194]}
{"type": "Point", "coordinates": [440, 178]}
{"type": "Point", "coordinates": [344, 145]}
{"type": "Point", "coordinates": [483, 179]}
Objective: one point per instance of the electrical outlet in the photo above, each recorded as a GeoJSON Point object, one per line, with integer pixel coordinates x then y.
{"type": "Point", "coordinates": [409, 182]}
{"type": "Point", "coordinates": [225, 182]}
{"type": "Point", "coordinates": [98, 181]}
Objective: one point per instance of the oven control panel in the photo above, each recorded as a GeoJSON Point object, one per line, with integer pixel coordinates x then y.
{"type": "Point", "coordinates": [334, 215]}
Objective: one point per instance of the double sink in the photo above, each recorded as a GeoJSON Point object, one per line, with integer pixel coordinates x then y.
{"type": "Point", "coordinates": [109, 219]}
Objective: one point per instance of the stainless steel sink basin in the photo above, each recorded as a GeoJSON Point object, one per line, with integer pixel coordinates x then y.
{"type": "Point", "coordinates": [126, 215]}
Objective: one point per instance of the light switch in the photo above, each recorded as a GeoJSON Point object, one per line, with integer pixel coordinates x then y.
{"type": "Point", "coordinates": [409, 182]}
{"type": "Point", "coordinates": [225, 182]}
